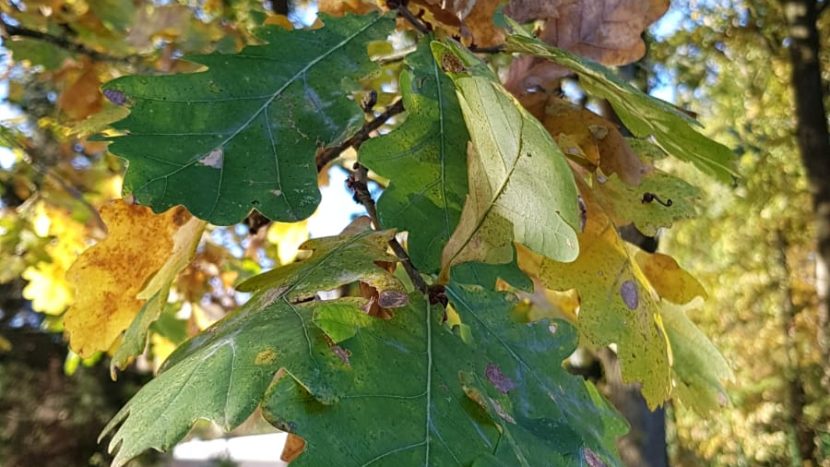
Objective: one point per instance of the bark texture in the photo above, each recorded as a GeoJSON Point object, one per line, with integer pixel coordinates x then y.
{"type": "Point", "coordinates": [814, 146]}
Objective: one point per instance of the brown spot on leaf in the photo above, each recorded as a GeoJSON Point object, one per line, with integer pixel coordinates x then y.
{"type": "Point", "coordinates": [452, 64]}
{"type": "Point", "coordinates": [630, 294]}
{"type": "Point", "coordinates": [392, 299]}
{"type": "Point", "coordinates": [266, 357]}
{"type": "Point", "coordinates": [499, 379]}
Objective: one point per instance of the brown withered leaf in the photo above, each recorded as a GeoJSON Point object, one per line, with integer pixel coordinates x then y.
{"type": "Point", "coordinates": [82, 96]}
{"type": "Point", "coordinates": [599, 139]}
{"type": "Point", "coordinates": [608, 32]}
{"type": "Point", "coordinates": [527, 10]}
{"type": "Point", "coordinates": [473, 19]}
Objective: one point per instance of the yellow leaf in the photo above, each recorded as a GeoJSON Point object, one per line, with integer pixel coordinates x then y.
{"type": "Point", "coordinates": [617, 304]}
{"type": "Point", "coordinates": [669, 280]}
{"type": "Point", "coordinates": [279, 20]}
{"type": "Point", "coordinates": [109, 277]}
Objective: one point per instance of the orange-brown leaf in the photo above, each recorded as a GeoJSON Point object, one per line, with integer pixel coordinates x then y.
{"type": "Point", "coordinates": [82, 97]}
{"type": "Point", "coordinates": [472, 19]}
{"type": "Point", "coordinates": [599, 139]}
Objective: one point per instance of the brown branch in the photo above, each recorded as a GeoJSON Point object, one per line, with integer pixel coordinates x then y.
{"type": "Point", "coordinates": [255, 221]}
{"type": "Point", "coordinates": [332, 153]}
{"type": "Point", "coordinates": [62, 42]}
{"type": "Point", "coordinates": [494, 49]}
{"type": "Point", "coordinates": [358, 182]}
{"type": "Point", "coordinates": [403, 11]}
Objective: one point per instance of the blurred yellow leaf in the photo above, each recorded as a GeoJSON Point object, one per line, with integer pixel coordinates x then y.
{"type": "Point", "coordinates": [288, 236]}
{"type": "Point", "coordinates": [47, 288]}
{"type": "Point", "coordinates": [109, 278]}
{"type": "Point", "coordinates": [341, 7]}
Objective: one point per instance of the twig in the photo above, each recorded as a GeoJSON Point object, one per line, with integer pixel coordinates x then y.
{"type": "Point", "coordinates": [255, 221]}
{"type": "Point", "coordinates": [404, 12]}
{"type": "Point", "coordinates": [62, 42]}
{"type": "Point", "coordinates": [358, 182]}
{"type": "Point", "coordinates": [493, 49]}
{"type": "Point", "coordinates": [332, 153]}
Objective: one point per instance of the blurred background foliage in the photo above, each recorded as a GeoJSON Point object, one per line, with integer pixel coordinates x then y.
{"type": "Point", "coordinates": [753, 246]}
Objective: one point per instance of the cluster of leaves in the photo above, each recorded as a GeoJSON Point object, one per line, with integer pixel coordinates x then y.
{"type": "Point", "coordinates": [56, 179]}
{"type": "Point", "coordinates": [492, 188]}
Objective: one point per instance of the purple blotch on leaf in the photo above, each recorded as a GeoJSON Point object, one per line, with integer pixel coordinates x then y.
{"type": "Point", "coordinates": [116, 97]}
{"type": "Point", "coordinates": [498, 379]}
{"type": "Point", "coordinates": [629, 294]}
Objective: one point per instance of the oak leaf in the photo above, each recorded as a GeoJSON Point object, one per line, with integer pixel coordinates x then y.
{"type": "Point", "coordinates": [608, 32]}
{"type": "Point", "coordinates": [521, 187]}
{"type": "Point", "coordinates": [134, 262]}
{"type": "Point", "coordinates": [617, 304]}
{"type": "Point", "coordinates": [671, 282]}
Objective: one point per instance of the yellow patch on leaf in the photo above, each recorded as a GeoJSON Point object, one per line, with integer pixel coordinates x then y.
{"type": "Point", "coordinates": [671, 282]}
{"type": "Point", "coordinates": [266, 357]}
{"type": "Point", "coordinates": [109, 277]}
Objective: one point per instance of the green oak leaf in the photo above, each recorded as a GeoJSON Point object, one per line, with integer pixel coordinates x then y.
{"type": "Point", "coordinates": [222, 373]}
{"type": "Point", "coordinates": [644, 115]}
{"type": "Point", "coordinates": [425, 159]}
{"type": "Point", "coordinates": [699, 369]}
{"type": "Point", "coordinates": [486, 275]}
{"type": "Point", "coordinates": [339, 321]}
{"type": "Point", "coordinates": [37, 52]}
{"type": "Point", "coordinates": [677, 201]}
{"type": "Point", "coordinates": [243, 134]}
{"type": "Point", "coordinates": [336, 261]}
{"type": "Point", "coordinates": [521, 187]}
{"type": "Point", "coordinates": [413, 393]}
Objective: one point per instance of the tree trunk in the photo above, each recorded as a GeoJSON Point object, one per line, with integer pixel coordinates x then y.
{"type": "Point", "coordinates": [796, 397]}
{"type": "Point", "coordinates": [645, 444]}
{"type": "Point", "coordinates": [814, 145]}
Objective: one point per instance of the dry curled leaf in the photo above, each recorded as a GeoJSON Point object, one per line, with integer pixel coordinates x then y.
{"type": "Point", "coordinates": [472, 18]}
